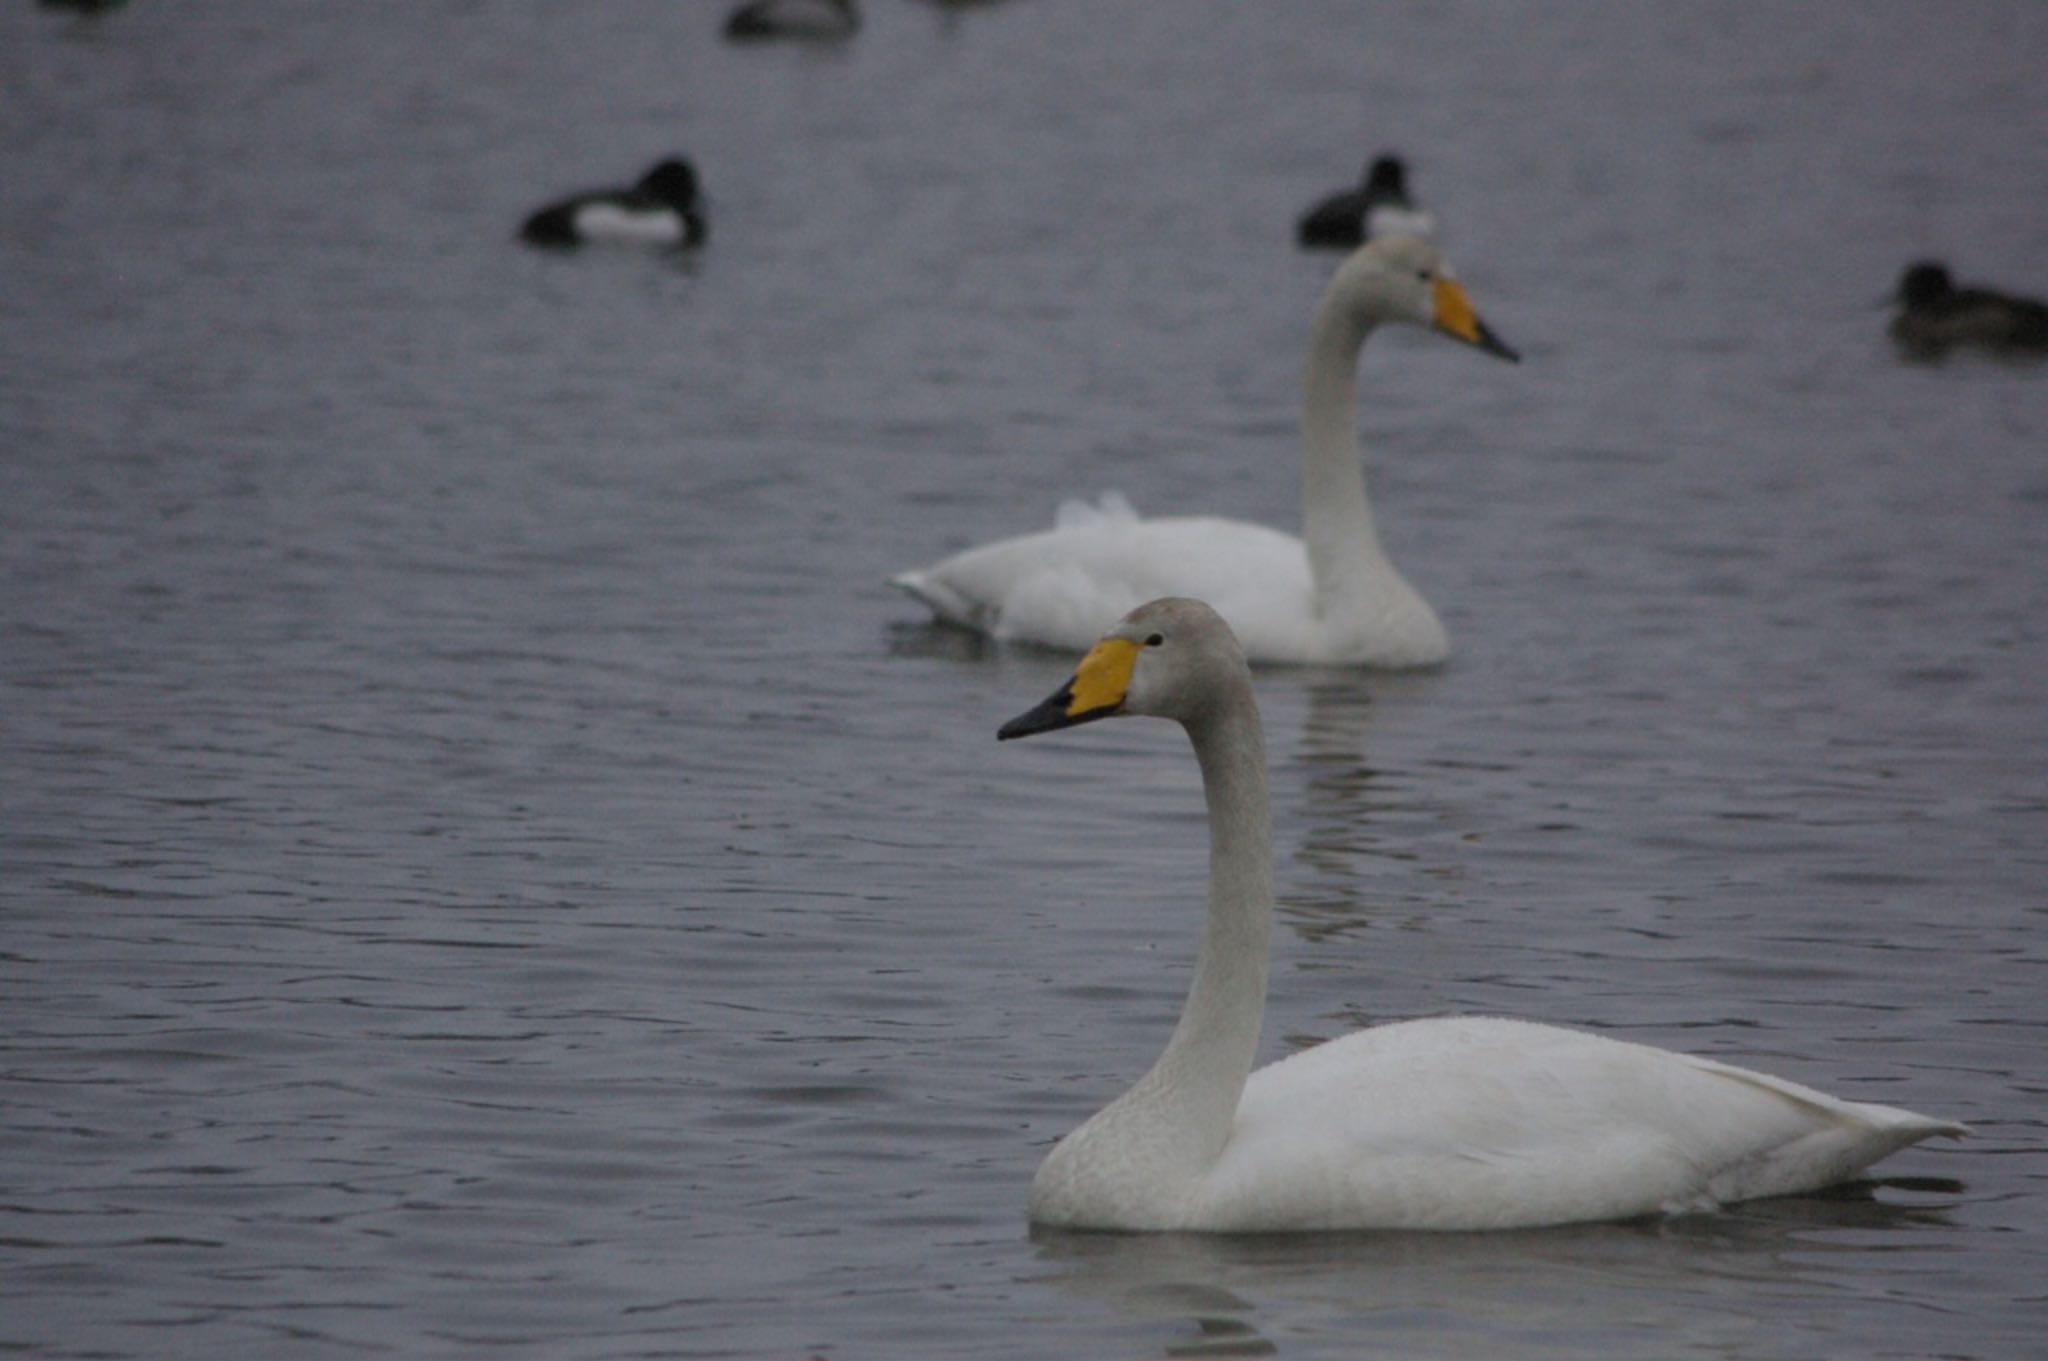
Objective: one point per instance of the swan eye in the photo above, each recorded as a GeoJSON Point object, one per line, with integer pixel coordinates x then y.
{"type": "Point", "coordinates": [1155, 640]}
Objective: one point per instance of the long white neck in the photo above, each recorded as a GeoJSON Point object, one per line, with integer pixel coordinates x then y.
{"type": "Point", "coordinates": [1190, 1096]}
{"type": "Point", "coordinates": [1343, 548]}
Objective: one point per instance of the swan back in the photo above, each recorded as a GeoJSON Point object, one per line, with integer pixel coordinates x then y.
{"type": "Point", "coordinates": [1486, 1123]}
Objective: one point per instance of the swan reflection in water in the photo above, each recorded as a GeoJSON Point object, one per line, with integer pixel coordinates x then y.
{"type": "Point", "coordinates": [1423, 1294]}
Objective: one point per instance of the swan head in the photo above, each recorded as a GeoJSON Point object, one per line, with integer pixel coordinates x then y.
{"type": "Point", "coordinates": [1405, 278]}
{"type": "Point", "coordinates": [1173, 658]}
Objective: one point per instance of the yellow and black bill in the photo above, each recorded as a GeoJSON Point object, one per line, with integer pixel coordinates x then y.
{"type": "Point", "coordinates": [1456, 318]}
{"type": "Point", "coordinates": [1096, 690]}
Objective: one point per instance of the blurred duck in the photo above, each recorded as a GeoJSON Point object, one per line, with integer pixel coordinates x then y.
{"type": "Point", "coordinates": [1935, 316]}
{"type": "Point", "coordinates": [762, 19]}
{"type": "Point", "coordinates": [1379, 206]}
{"type": "Point", "coordinates": [1329, 597]}
{"type": "Point", "coordinates": [661, 209]}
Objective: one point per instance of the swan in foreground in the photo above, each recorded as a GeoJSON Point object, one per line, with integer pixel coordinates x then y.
{"type": "Point", "coordinates": [1935, 316]}
{"type": "Point", "coordinates": [1379, 206]}
{"type": "Point", "coordinates": [1469, 1123]}
{"type": "Point", "coordinates": [1331, 596]}
{"type": "Point", "coordinates": [660, 209]}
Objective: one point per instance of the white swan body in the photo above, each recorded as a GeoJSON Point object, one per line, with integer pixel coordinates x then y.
{"type": "Point", "coordinates": [1464, 1123]}
{"type": "Point", "coordinates": [1101, 561]}
{"type": "Point", "coordinates": [1330, 597]}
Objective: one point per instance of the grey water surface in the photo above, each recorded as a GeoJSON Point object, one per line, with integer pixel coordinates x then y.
{"type": "Point", "coordinates": [487, 869]}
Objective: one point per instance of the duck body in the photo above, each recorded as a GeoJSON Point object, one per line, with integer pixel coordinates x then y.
{"type": "Point", "coordinates": [1936, 315]}
{"type": "Point", "coordinates": [1454, 1123]}
{"type": "Point", "coordinates": [764, 20]}
{"type": "Point", "coordinates": [1331, 596]}
{"type": "Point", "coordinates": [660, 209]}
{"type": "Point", "coordinates": [1379, 206]}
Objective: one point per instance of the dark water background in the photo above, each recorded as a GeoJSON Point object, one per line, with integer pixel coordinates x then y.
{"type": "Point", "coordinates": [486, 869]}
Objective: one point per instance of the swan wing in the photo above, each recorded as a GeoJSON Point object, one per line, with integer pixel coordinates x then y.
{"type": "Point", "coordinates": [1480, 1123]}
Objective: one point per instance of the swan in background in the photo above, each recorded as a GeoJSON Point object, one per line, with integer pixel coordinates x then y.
{"type": "Point", "coordinates": [1935, 316]}
{"type": "Point", "coordinates": [660, 209]}
{"type": "Point", "coordinates": [763, 19]}
{"type": "Point", "coordinates": [1465, 1123]}
{"type": "Point", "coordinates": [1379, 206]}
{"type": "Point", "coordinates": [1331, 596]}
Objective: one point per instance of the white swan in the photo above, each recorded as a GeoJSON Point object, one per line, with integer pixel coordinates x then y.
{"type": "Point", "coordinates": [1331, 596]}
{"type": "Point", "coordinates": [1471, 1123]}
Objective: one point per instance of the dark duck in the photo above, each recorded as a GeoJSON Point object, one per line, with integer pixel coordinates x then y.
{"type": "Point", "coordinates": [761, 20]}
{"type": "Point", "coordinates": [659, 209]}
{"type": "Point", "coordinates": [1379, 206]}
{"type": "Point", "coordinates": [1937, 315]}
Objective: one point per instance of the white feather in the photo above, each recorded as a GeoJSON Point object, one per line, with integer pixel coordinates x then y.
{"type": "Point", "coordinates": [611, 222]}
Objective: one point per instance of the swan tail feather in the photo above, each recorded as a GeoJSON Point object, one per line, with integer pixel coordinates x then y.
{"type": "Point", "coordinates": [1845, 1138]}
{"type": "Point", "coordinates": [947, 604]}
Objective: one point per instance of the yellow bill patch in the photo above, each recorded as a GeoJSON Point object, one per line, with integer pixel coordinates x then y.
{"type": "Point", "coordinates": [1102, 677]}
{"type": "Point", "coordinates": [1454, 311]}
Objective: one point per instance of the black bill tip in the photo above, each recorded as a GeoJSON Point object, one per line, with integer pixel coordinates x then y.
{"type": "Point", "coordinates": [1051, 715]}
{"type": "Point", "coordinates": [1044, 717]}
{"type": "Point", "coordinates": [1494, 345]}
